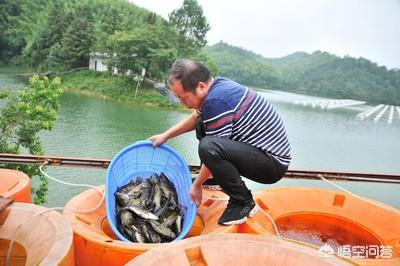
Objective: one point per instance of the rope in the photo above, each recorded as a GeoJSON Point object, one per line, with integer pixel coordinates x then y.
{"type": "Point", "coordinates": [356, 196]}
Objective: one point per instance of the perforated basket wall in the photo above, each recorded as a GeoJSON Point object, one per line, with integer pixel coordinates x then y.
{"type": "Point", "coordinates": [141, 159]}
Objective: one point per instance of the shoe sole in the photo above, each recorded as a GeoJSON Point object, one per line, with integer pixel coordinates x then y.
{"type": "Point", "coordinates": [253, 211]}
{"type": "Point", "coordinates": [236, 221]}
{"type": "Point", "coordinates": [243, 220]}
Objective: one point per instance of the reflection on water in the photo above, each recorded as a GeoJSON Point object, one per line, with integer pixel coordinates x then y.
{"type": "Point", "coordinates": [321, 140]}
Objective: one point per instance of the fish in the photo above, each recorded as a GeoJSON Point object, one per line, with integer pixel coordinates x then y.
{"type": "Point", "coordinates": [162, 229]}
{"type": "Point", "coordinates": [160, 211]}
{"type": "Point", "coordinates": [146, 191]}
{"type": "Point", "coordinates": [131, 186]}
{"type": "Point", "coordinates": [139, 237]}
{"type": "Point", "coordinates": [167, 189]}
{"type": "Point", "coordinates": [122, 198]}
{"type": "Point", "coordinates": [154, 237]}
{"type": "Point", "coordinates": [157, 195]}
{"type": "Point", "coordinates": [125, 199]}
{"type": "Point", "coordinates": [170, 219]}
{"type": "Point", "coordinates": [178, 224]}
{"type": "Point", "coordinates": [145, 232]}
{"type": "Point", "coordinates": [141, 212]}
{"type": "Point", "coordinates": [126, 218]}
{"type": "Point", "coordinates": [147, 210]}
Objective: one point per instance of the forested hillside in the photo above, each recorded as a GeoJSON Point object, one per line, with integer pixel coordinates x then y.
{"type": "Point", "coordinates": [59, 35]}
{"type": "Point", "coordinates": [319, 73]}
{"type": "Point", "coordinates": [244, 66]}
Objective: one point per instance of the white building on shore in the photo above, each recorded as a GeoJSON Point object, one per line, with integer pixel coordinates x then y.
{"type": "Point", "coordinates": [96, 63]}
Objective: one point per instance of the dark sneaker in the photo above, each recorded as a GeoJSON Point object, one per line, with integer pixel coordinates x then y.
{"type": "Point", "coordinates": [237, 213]}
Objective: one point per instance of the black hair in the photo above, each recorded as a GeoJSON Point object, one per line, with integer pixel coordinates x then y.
{"type": "Point", "coordinates": [189, 73]}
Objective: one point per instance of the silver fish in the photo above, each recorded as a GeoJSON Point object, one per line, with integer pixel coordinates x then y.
{"type": "Point", "coordinates": [146, 192]}
{"type": "Point", "coordinates": [178, 224]}
{"type": "Point", "coordinates": [132, 186]}
{"type": "Point", "coordinates": [162, 229]}
{"type": "Point", "coordinates": [141, 212]}
{"type": "Point", "coordinates": [154, 237]}
{"type": "Point", "coordinates": [157, 197]}
{"type": "Point", "coordinates": [126, 217]}
{"type": "Point", "coordinates": [122, 198]}
{"type": "Point", "coordinates": [168, 189]}
{"type": "Point", "coordinates": [170, 219]}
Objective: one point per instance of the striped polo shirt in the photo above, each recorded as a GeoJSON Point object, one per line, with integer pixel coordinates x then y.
{"type": "Point", "coordinates": [233, 111]}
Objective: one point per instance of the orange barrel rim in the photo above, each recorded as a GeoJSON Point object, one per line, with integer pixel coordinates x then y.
{"type": "Point", "coordinates": [332, 214]}
{"type": "Point", "coordinates": [44, 239]}
{"type": "Point", "coordinates": [235, 249]}
{"type": "Point", "coordinates": [15, 185]}
{"type": "Point", "coordinates": [96, 244]}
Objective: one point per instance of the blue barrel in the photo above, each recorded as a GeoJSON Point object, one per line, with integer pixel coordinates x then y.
{"type": "Point", "coordinates": [141, 159]}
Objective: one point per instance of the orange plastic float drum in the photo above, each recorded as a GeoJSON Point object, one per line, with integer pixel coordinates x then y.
{"type": "Point", "coordinates": [234, 249]}
{"type": "Point", "coordinates": [15, 185]}
{"type": "Point", "coordinates": [45, 239]}
{"type": "Point", "coordinates": [367, 233]}
{"type": "Point", "coordinates": [95, 243]}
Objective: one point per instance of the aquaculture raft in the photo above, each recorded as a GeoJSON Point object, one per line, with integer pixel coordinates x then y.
{"type": "Point", "coordinates": [45, 239]}
{"type": "Point", "coordinates": [96, 244]}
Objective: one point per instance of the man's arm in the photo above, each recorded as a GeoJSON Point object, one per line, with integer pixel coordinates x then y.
{"type": "Point", "coordinates": [203, 175]}
{"type": "Point", "coordinates": [185, 125]}
{"type": "Point", "coordinates": [196, 190]}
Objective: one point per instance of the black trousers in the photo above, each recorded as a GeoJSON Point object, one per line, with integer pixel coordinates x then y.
{"type": "Point", "coordinates": [228, 160]}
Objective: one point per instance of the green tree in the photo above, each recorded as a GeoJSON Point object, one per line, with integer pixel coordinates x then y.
{"type": "Point", "coordinates": [55, 59]}
{"type": "Point", "coordinates": [192, 27]}
{"type": "Point", "coordinates": [146, 47]}
{"type": "Point", "coordinates": [79, 38]}
{"type": "Point", "coordinates": [37, 51]}
{"type": "Point", "coordinates": [23, 116]}
{"type": "Point", "coordinates": [24, 19]}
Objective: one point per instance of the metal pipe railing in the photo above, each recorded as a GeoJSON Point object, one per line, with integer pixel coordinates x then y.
{"type": "Point", "coordinates": [194, 169]}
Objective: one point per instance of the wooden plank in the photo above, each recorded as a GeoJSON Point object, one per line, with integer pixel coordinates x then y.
{"type": "Point", "coordinates": [4, 202]}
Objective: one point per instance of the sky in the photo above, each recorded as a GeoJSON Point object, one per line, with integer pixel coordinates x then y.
{"type": "Point", "coordinates": [276, 28]}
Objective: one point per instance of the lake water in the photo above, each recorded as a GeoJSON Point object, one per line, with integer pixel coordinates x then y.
{"type": "Point", "coordinates": [321, 139]}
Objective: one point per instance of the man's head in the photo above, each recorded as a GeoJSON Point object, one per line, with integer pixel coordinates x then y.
{"type": "Point", "coordinates": [189, 81]}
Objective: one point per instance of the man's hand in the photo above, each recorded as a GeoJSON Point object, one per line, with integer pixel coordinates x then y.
{"type": "Point", "coordinates": [158, 139]}
{"type": "Point", "coordinates": [196, 194]}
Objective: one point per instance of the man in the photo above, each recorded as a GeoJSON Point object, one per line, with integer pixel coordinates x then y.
{"type": "Point", "coordinates": [240, 135]}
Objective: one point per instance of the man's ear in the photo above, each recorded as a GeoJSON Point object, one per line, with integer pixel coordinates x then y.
{"type": "Point", "coordinates": [202, 87]}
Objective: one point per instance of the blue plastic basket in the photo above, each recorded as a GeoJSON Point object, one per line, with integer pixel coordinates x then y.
{"type": "Point", "coordinates": [141, 159]}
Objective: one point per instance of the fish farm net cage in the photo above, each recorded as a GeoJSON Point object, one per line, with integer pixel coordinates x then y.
{"type": "Point", "coordinates": [142, 160]}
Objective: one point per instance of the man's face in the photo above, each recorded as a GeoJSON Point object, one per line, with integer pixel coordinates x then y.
{"type": "Point", "coordinates": [189, 99]}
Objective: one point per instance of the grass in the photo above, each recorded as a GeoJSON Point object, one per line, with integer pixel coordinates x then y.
{"type": "Point", "coordinates": [119, 88]}
{"type": "Point", "coordinates": [11, 70]}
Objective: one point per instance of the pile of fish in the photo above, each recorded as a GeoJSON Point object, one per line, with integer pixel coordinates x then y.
{"type": "Point", "coordinates": [147, 210]}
